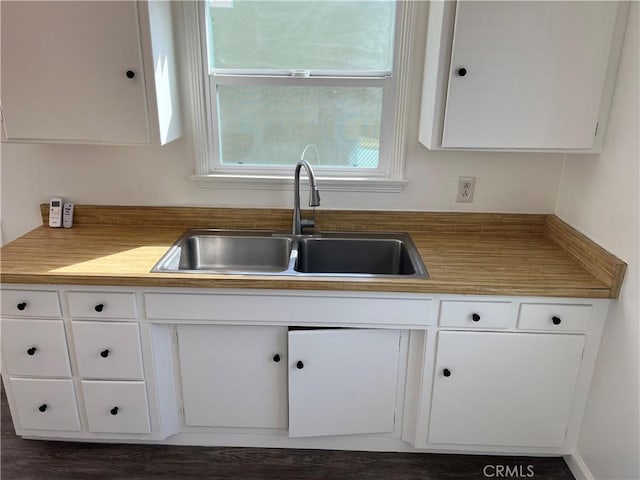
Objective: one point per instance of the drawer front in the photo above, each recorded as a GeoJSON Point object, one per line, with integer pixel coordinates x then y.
{"type": "Point", "coordinates": [102, 305]}
{"type": "Point", "coordinates": [540, 316]}
{"type": "Point", "coordinates": [107, 349]}
{"type": "Point", "coordinates": [35, 347]}
{"type": "Point", "coordinates": [27, 303]}
{"type": "Point", "coordinates": [45, 404]}
{"type": "Point", "coordinates": [464, 314]}
{"type": "Point", "coordinates": [116, 407]}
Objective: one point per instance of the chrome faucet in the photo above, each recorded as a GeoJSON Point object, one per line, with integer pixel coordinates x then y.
{"type": "Point", "coordinates": [314, 197]}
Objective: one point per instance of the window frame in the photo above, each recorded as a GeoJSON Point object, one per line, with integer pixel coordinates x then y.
{"type": "Point", "coordinates": [388, 177]}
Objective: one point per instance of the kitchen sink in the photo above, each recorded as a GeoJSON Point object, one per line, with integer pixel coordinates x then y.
{"type": "Point", "coordinates": [354, 255]}
{"type": "Point", "coordinates": [227, 251]}
{"type": "Point", "coordinates": [274, 253]}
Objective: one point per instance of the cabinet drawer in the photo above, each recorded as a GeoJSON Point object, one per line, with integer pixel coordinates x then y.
{"type": "Point", "coordinates": [107, 349]}
{"type": "Point", "coordinates": [465, 314]}
{"type": "Point", "coordinates": [535, 316]}
{"type": "Point", "coordinates": [35, 347]}
{"type": "Point", "coordinates": [45, 404]}
{"type": "Point", "coordinates": [102, 305]}
{"type": "Point", "coordinates": [27, 303]}
{"type": "Point", "coordinates": [116, 407]}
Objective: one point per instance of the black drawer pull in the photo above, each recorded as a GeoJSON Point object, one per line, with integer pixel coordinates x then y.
{"type": "Point", "coordinates": [299, 365]}
{"type": "Point", "coordinates": [99, 307]}
{"type": "Point", "coordinates": [114, 411]}
{"type": "Point", "coordinates": [556, 320]}
{"type": "Point", "coordinates": [21, 306]}
{"type": "Point", "coordinates": [475, 317]}
{"type": "Point", "coordinates": [31, 351]}
{"type": "Point", "coordinates": [446, 372]}
{"type": "Point", "coordinates": [276, 358]}
{"type": "Point", "coordinates": [104, 353]}
{"type": "Point", "coordinates": [43, 407]}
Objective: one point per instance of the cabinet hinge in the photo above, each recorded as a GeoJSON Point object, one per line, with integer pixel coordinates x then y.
{"type": "Point", "coordinates": [176, 333]}
{"type": "Point", "coordinates": [582, 354]}
{"type": "Point", "coordinates": [597, 128]}
{"type": "Point", "coordinates": [181, 409]}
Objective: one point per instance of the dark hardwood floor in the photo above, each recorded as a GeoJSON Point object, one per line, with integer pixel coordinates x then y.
{"type": "Point", "coordinates": [36, 460]}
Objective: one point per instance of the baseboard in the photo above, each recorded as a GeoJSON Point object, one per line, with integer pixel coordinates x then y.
{"type": "Point", "coordinates": [578, 467]}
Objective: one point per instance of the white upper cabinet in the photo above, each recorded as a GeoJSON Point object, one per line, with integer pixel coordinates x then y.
{"type": "Point", "coordinates": [524, 75]}
{"type": "Point", "coordinates": [88, 72]}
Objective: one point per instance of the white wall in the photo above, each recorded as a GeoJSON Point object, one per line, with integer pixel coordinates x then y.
{"type": "Point", "coordinates": [600, 198]}
{"type": "Point", "coordinates": [30, 174]}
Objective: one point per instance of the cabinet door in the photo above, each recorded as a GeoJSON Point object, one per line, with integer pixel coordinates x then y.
{"type": "Point", "coordinates": [535, 74]}
{"type": "Point", "coordinates": [511, 389]}
{"type": "Point", "coordinates": [342, 381]}
{"type": "Point", "coordinates": [64, 72]}
{"type": "Point", "coordinates": [234, 376]}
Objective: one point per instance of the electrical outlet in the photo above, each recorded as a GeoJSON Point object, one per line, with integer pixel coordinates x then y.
{"type": "Point", "coordinates": [466, 189]}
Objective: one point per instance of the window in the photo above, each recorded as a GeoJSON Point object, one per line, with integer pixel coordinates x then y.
{"type": "Point", "coordinates": [273, 77]}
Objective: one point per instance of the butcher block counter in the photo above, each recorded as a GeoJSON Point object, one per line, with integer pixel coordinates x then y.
{"type": "Point", "coordinates": [465, 253]}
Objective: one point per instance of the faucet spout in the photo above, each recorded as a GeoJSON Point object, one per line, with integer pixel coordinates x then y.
{"type": "Point", "coordinates": [314, 196]}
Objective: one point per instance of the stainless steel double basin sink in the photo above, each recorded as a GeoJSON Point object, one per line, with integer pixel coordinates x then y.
{"type": "Point", "coordinates": [273, 253]}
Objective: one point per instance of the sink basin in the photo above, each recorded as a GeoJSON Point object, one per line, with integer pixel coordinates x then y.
{"type": "Point", "coordinates": [272, 253]}
{"type": "Point", "coordinates": [375, 256]}
{"type": "Point", "coordinates": [227, 252]}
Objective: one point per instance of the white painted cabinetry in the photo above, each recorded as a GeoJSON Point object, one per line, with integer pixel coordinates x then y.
{"type": "Point", "coordinates": [233, 376]}
{"type": "Point", "coordinates": [352, 370]}
{"type": "Point", "coordinates": [510, 389]}
{"type": "Point", "coordinates": [69, 375]}
{"type": "Point", "coordinates": [342, 381]}
{"type": "Point", "coordinates": [88, 72]}
{"type": "Point", "coordinates": [523, 75]}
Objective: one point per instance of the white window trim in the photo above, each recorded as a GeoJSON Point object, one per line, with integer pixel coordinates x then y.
{"type": "Point", "coordinates": [198, 96]}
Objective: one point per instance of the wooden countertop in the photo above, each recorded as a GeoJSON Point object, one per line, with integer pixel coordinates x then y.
{"type": "Point", "coordinates": [485, 254]}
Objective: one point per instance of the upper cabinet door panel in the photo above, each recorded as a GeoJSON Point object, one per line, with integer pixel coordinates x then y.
{"type": "Point", "coordinates": [64, 72]}
{"type": "Point", "coordinates": [535, 74]}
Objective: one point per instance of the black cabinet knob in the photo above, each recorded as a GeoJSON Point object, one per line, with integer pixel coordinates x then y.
{"type": "Point", "coordinates": [99, 307]}
{"type": "Point", "coordinates": [43, 407]}
{"type": "Point", "coordinates": [299, 365]}
{"type": "Point", "coordinates": [475, 317]}
{"type": "Point", "coordinates": [114, 411]}
{"type": "Point", "coordinates": [32, 351]}
{"type": "Point", "coordinates": [446, 372]}
{"type": "Point", "coordinates": [130, 74]}
{"type": "Point", "coordinates": [276, 358]}
{"type": "Point", "coordinates": [461, 72]}
{"type": "Point", "coordinates": [556, 320]}
{"type": "Point", "coordinates": [21, 306]}
{"type": "Point", "coordinates": [104, 353]}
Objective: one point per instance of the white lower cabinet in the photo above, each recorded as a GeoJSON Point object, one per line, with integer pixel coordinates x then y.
{"type": "Point", "coordinates": [342, 381]}
{"type": "Point", "coordinates": [233, 376]}
{"type": "Point", "coordinates": [503, 389]}
{"type": "Point", "coordinates": [116, 407]}
{"type": "Point", "coordinates": [45, 404]}
{"type": "Point", "coordinates": [300, 369]}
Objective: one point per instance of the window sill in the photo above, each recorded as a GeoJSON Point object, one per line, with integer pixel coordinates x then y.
{"type": "Point", "coordinates": [273, 182]}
